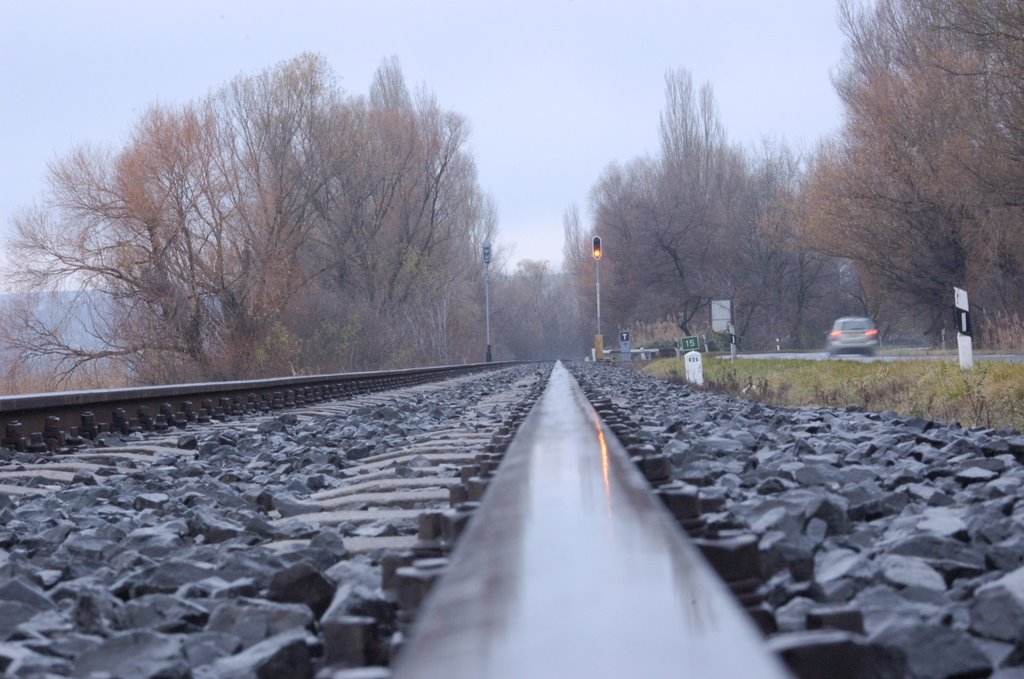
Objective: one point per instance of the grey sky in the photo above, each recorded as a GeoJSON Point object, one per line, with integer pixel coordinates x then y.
{"type": "Point", "coordinates": [555, 89]}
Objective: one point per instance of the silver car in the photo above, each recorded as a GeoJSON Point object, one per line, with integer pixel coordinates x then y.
{"type": "Point", "coordinates": [853, 334]}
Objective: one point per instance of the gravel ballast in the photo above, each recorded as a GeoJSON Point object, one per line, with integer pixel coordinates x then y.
{"type": "Point", "coordinates": [174, 555]}
{"type": "Point", "coordinates": [888, 545]}
{"type": "Point", "coordinates": [916, 526]}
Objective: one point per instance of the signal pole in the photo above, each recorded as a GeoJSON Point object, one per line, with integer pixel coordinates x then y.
{"type": "Point", "coordinates": [598, 338]}
{"type": "Point", "coordinates": [487, 298]}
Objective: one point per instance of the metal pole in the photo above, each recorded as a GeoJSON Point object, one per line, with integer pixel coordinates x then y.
{"type": "Point", "coordinates": [487, 307]}
{"type": "Point", "coordinates": [598, 340]}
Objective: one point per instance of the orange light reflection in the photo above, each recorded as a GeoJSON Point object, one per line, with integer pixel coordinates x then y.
{"type": "Point", "coordinates": [604, 469]}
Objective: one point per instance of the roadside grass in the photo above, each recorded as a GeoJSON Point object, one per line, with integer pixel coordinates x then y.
{"type": "Point", "coordinates": [990, 395]}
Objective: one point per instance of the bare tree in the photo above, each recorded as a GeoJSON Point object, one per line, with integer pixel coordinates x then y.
{"type": "Point", "coordinates": [120, 232]}
{"type": "Point", "coordinates": [705, 220]}
{"type": "Point", "coordinates": [273, 226]}
{"type": "Point", "coordinates": [663, 217]}
{"type": "Point", "coordinates": [404, 221]}
{"type": "Point", "coordinates": [921, 189]}
{"type": "Point", "coordinates": [785, 289]}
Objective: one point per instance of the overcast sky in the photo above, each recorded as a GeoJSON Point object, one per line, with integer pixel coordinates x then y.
{"type": "Point", "coordinates": [554, 89]}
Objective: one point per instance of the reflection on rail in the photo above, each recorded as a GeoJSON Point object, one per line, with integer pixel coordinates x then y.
{"type": "Point", "coordinates": [604, 465]}
{"type": "Point", "coordinates": [571, 568]}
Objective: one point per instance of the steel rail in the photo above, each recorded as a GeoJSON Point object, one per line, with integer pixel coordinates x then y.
{"type": "Point", "coordinates": [31, 411]}
{"type": "Point", "coordinates": [571, 568]}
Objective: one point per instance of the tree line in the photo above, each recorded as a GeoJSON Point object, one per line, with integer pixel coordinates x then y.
{"type": "Point", "coordinates": [277, 225]}
{"type": "Point", "coordinates": [922, 189]}
{"type": "Point", "coordinates": [704, 219]}
{"type": "Point", "coordinates": [280, 225]}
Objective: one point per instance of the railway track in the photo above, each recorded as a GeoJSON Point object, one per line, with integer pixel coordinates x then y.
{"type": "Point", "coordinates": [495, 524]}
{"type": "Point", "coordinates": [322, 526]}
{"type": "Point", "coordinates": [159, 521]}
{"type": "Point", "coordinates": [573, 568]}
{"type": "Point", "coordinates": [39, 422]}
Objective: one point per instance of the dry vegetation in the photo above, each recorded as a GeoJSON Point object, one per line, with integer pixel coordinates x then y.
{"type": "Point", "coordinates": [991, 395]}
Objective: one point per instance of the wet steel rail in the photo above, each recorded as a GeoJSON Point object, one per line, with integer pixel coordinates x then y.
{"type": "Point", "coordinates": [55, 420]}
{"type": "Point", "coordinates": [571, 567]}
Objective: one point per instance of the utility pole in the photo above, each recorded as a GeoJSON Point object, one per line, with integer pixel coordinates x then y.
{"type": "Point", "coordinates": [487, 297]}
{"type": "Point", "coordinates": [598, 339]}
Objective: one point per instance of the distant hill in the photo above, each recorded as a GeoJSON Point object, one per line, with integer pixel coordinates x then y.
{"type": "Point", "coordinates": [56, 308]}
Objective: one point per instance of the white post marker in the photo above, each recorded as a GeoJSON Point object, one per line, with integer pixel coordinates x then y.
{"type": "Point", "coordinates": [487, 298]}
{"type": "Point", "coordinates": [963, 344]}
{"type": "Point", "coordinates": [963, 329]}
{"type": "Point", "coordinates": [694, 368]}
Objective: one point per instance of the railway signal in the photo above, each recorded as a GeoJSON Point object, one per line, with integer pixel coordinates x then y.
{"type": "Point", "coordinates": [597, 247]}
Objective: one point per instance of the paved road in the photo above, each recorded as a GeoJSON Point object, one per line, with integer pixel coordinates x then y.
{"type": "Point", "coordinates": [821, 356]}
